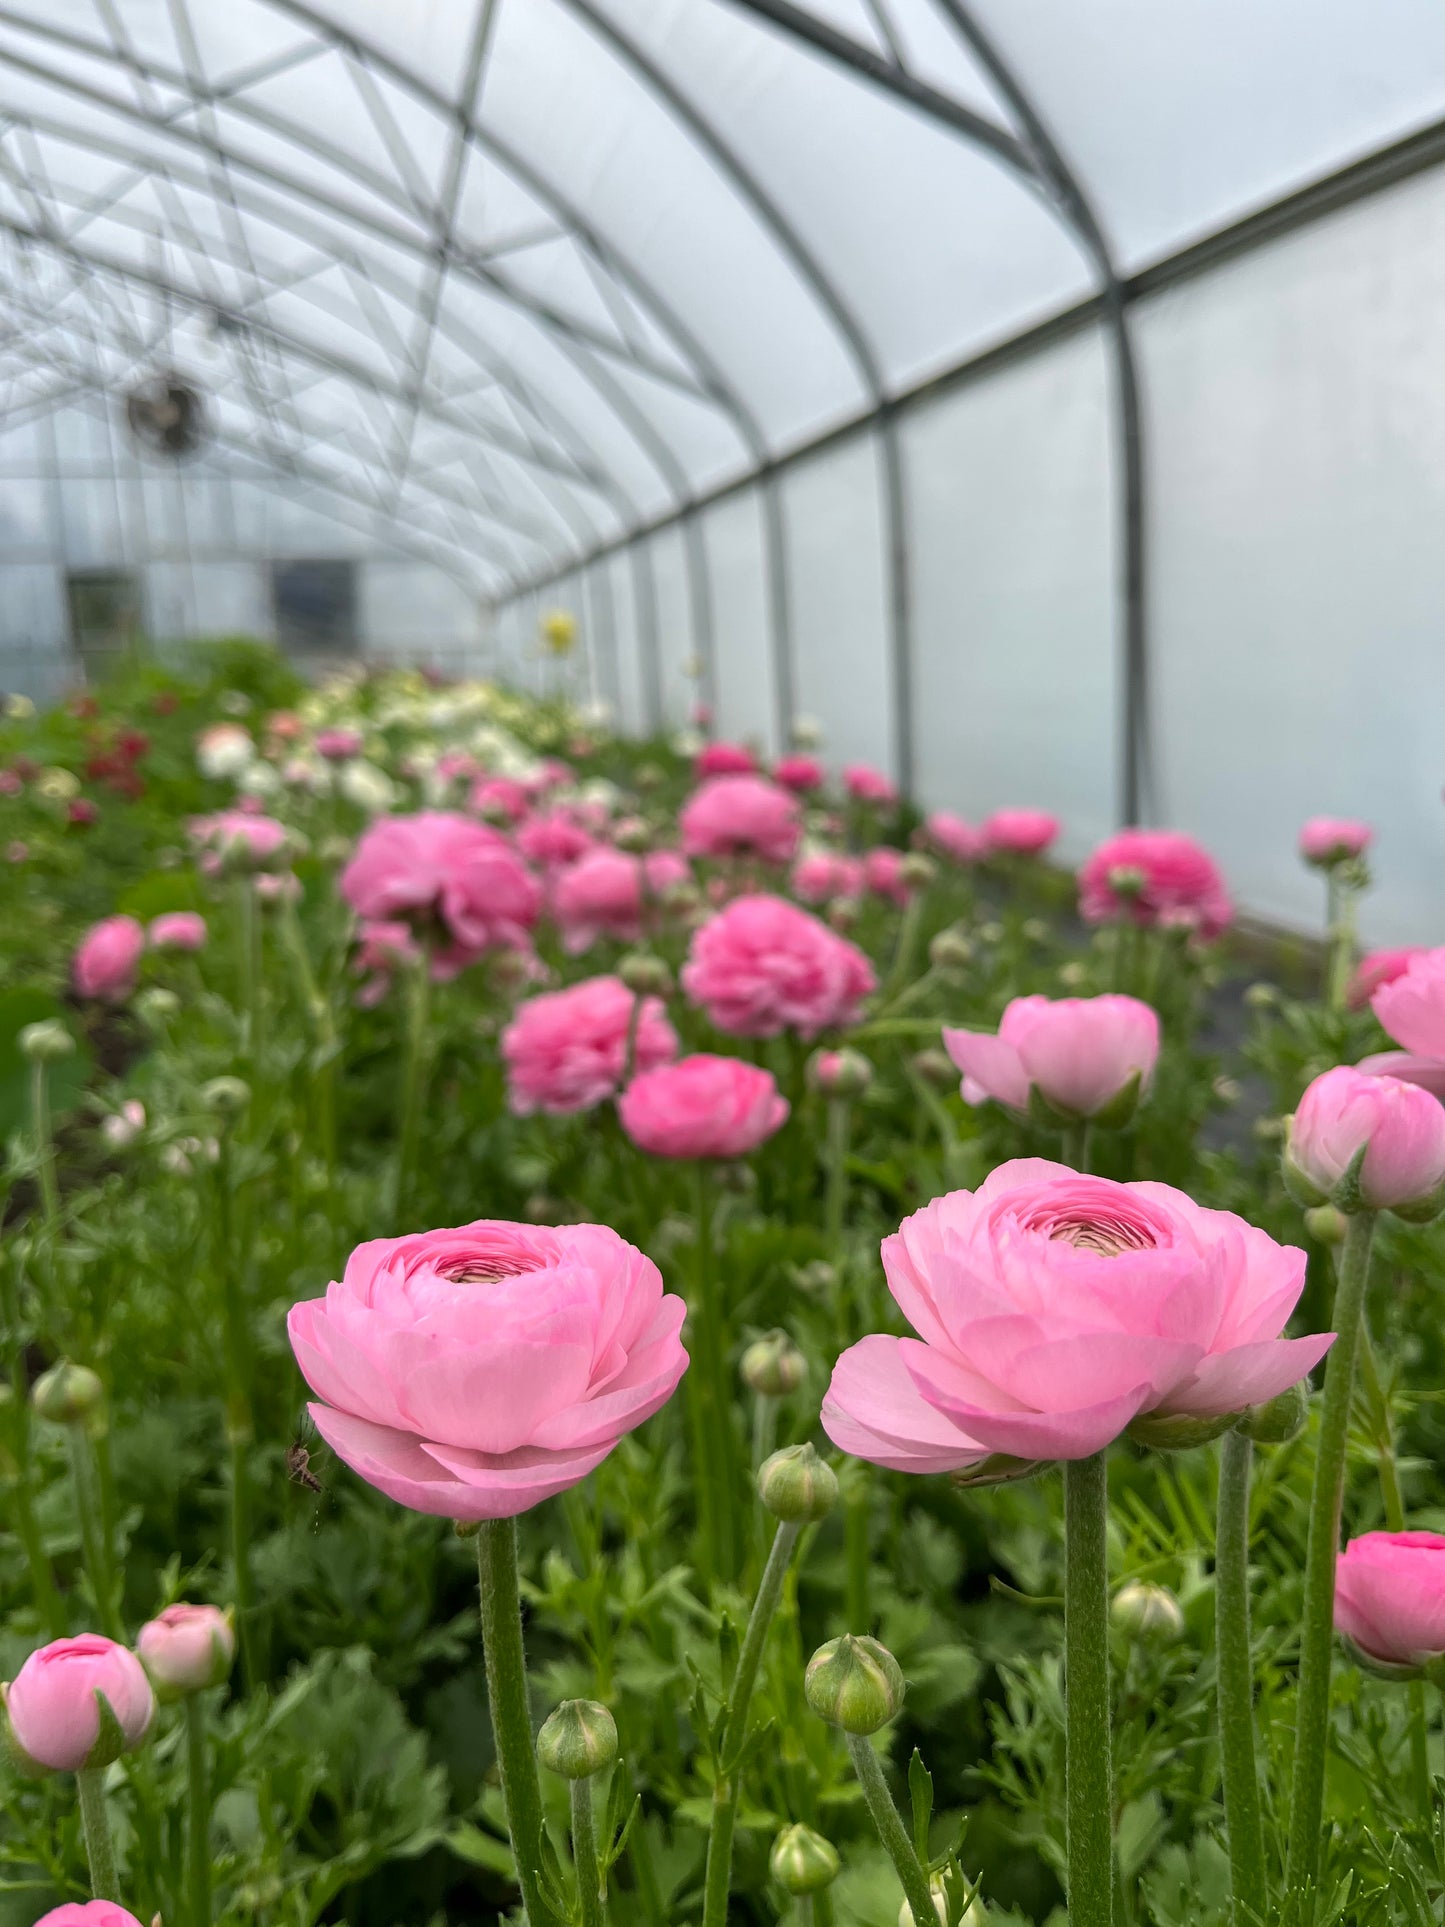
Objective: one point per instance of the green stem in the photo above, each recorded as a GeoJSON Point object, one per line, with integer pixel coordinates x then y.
{"type": "Point", "coordinates": [1089, 1785]}
{"type": "Point", "coordinates": [584, 1853]}
{"type": "Point", "coordinates": [243, 896]}
{"type": "Point", "coordinates": [718, 1877]}
{"type": "Point", "coordinates": [893, 1833]}
{"type": "Point", "coordinates": [506, 1668]}
{"type": "Point", "coordinates": [712, 1381]}
{"type": "Point", "coordinates": [1312, 1716]}
{"type": "Point", "coordinates": [836, 1197]}
{"type": "Point", "coordinates": [413, 1087]}
{"type": "Point", "coordinates": [1075, 1148]}
{"type": "Point", "coordinates": [324, 1029]}
{"type": "Point", "coordinates": [44, 1136]}
{"type": "Point", "coordinates": [1248, 1877]}
{"type": "Point", "coordinates": [92, 1533]}
{"type": "Point", "coordinates": [240, 1425]}
{"type": "Point", "coordinates": [857, 1517]}
{"type": "Point", "coordinates": [198, 1815]}
{"type": "Point", "coordinates": [42, 1578]}
{"type": "Point", "coordinates": [95, 1824]}
{"type": "Point", "coordinates": [765, 1427]}
{"type": "Point", "coordinates": [907, 942]}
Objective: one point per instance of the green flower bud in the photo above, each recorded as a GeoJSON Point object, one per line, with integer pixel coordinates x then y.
{"type": "Point", "coordinates": [47, 1042]}
{"type": "Point", "coordinates": [917, 870]}
{"type": "Point", "coordinates": [798, 1486]}
{"type": "Point", "coordinates": [1278, 1420]}
{"type": "Point", "coordinates": [803, 1862]}
{"type": "Point", "coordinates": [973, 1913]}
{"type": "Point", "coordinates": [157, 1005]}
{"type": "Point", "coordinates": [67, 1394]}
{"type": "Point", "coordinates": [1035, 929]}
{"type": "Point", "coordinates": [937, 1068]}
{"type": "Point", "coordinates": [226, 1096]}
{"type": "Point", "coordinates": [579, 1738]}
{"type": "Point", "coordinates": [645, 975]}
{"type": "Point", "coordinates": [854, 1683]}
{"type": "Point", "coordinates": [633, 835]}
{"type": "Point", "coordinates": [839, 1073]}
{"type": "Point", "coordinates": [773, 1365]}
{"type": "Point", "coordinates": [1148, 1613]}
{"type": "Point", "coordinates": [1261, 997]}
{"type": "Point", "coordinates": [1324, 1222]}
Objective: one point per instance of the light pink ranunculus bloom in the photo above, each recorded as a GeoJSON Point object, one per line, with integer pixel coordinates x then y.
{"type": "Point", "coordinates": [553, 838]}
{"type": "Point", "coordinates": [120, 1129]}
{"type": "Point", "coordinates": [1080, 1053]}
{"type": "Point", "coordinates": [339, 745]}
{"type": "Point", "coordinates": [107, 958]}
{"type": "Point", "coordinates": [440, 868]}
{"type": "Point", "coordinates": [567, 1049]}
{"type": "Point", "coordinates": [865, 784]}
{"type": "Point", "coordinates": [725, 759]}
{"type": "Point", "coordinates": [702, 1107]}
{"type": "Point", "coordinates": [178, 930]}
{"type": "Point", "coordinates": [605, 894]}
{"type": "Point", "coordinates": [187, 1648]}
{"type": "Point", "coordinates": [1399, 1126]}
{"type": "Point", "coordinates": [960, 842]}
{"type": "Point", "coordinates": [1019, 831]}
{"type": "Point", "coordinates": [821, 875]}
{"type": "Point", "coordinates": [1053, 1309]}
{"type": "Point", "coordinates": [1412, 1006]}
{"type": "Point", "coordinates": [883, 874]}
{"type": "Point", "coordinates": [762, 966]}
{"type": "Point", "coordinates": [1155, 877]}
{"type": "Point", "coordinates": [741, 816]}
{"type": "Point", "coordinates": [1427, 1072]}
{"type": "Point", "coordinates": [1325, 840]}
{"type": "Point", "coordinates": [88, 1913]}
{"type": "Point", "coordinates": [1390, 1596]}
{"type": "Point", "coordinates": [1378, 968]}
{"type": "Point", "coordinates": [475, 1372]}
{"type": "Point", "coordinates": [244, 839]}
{"type": "Point", "coordinates": [53, 1705]}
{"type": "Point", "coordinates": [801, 774]}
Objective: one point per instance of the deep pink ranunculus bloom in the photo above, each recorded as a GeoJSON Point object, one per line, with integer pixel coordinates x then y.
{"type": "Point", "coordinates": [52, 1704]}
{"type": "Point", "coordinates": [702, 1107]}
{"type": "Point", "coordinates": [1378, 968]}
{"type": "Point", "coordinates": [553, 838]}
{"type": "Point", "coordinates": [865, 784]}
{"type": "Point", "coordinates": [187, 1648]}
{"type": "Point", "coordinates": [1019, 832]}
{"type": "Point", "coordinates": [1399, 1126]}
{"type": "Point", "coordinates": [801, 774]}
{"type": "Point", "coordinates": [178, 930]}
{"type": "Point", "coordinates": [1411, 1006]}
{"type": "Point", "coordinates": [741, 816]}
{"type": "Point", "coordinates": [605, 894]}
{"type": "Point", "coordinates": [1155, 877]}
{"type": "Point", "coordinates": [821, 875]}
{"type": "Point", "coordinates": [762, 966]}
{"type": "Point", "coordinates": [441, 868]}
{"type": "Point", "coordinates": [1324, 840]}
{"type": "Point", "coordinates": [339, 745]}
{"type": "Point", "coordinates": [567, 1049]}
{"type": "Point", "coordinates": [106, 959]}
{"type": "Point", "coordinates": [88, 1913]}
{"type": "Point", "coordinates": [1052, 1309]}
{"type": "Point", "coordinates": [725, 759]}
{"type": "Point", "coordinates": [1080, 1052]}
{"type": "Point", "coordinates": [475, 1372]}
{"type": "Point", "coordinates": [1390, 1596]}
{"type": "Point", "coordinates": [501, 799]}
{"type": "Point", "coordinates": [883, 874]}
{"type": "Point", "coordinates": [960, 842]}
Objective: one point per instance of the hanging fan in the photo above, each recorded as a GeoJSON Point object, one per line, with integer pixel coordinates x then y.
{"type": "Point", "coordinates": [167, 415]}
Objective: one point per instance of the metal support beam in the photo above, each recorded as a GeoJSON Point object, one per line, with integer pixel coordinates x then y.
{"type": "Point", "coordinates": [649, 642]}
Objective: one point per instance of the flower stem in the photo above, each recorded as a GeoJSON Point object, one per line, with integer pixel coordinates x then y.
{"type": "Point", "coordinates": [584, 1853]}
{"type": "Point", "coordinates": [725, 1788]}
{"type": "Point", "coordinates": [92, 1532]}
{"type": "Point", "coordinates": [894, 1835]}
{"type": "Point", "coordinates": [323, 1025]}
{"type": "Point", "coordinates": [44, 1136]}
{"type": "Point", "coordinates": [95, 1824]}
{"type": "Point", "coordinates": [413, 1087]}
{"type": "Point", "coordinates": [1076, 1145]}
{"type": "Point", "coordinates": [198, 1815]}
{"type": "Point", "coordinates": [712, 1381]}
{"type": "Point", "coordinates": [240, 1426]}
{"type": "Point", "coordinates": [506, 1669]}
{"type": "Point", "coordinates": [1089, 1787]}
{"type": "Point", "coordinates": [1248, 1878]}
{"type": "Point", "coordinates": [1312, 1716]}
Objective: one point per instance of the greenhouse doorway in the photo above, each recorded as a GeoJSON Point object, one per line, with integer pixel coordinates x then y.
{"type": "Point", "coordinates": [104, 607]}
{"type": "Point", "coordinates": [314, 606]}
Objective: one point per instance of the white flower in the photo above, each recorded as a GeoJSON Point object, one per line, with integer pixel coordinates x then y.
{"type": "Point", "coordinates": [121, 1128]}
{"type": "Point", "coordinates": [258, 779]}
{"type": "Point", "coordinates": [19, 708]}
{"type": "Point", "coordinates": [595, 715]}
{"type": "Point", "coordinates": [224, 750]}
{"type": "Point", "coordinates": [368, 787]}
{"type": "Point", "coordinates": [807, 732]}
{"type": "Point", "coordinates": [688, 742]}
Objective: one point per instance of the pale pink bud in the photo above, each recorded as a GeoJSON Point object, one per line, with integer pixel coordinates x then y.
{"type": "Point", "coordinates": [121, 1129]}
{"type": "Point", "coordinates": [1398, 1129]}
{"type": "Point", "coordinates": [1390, 1596]}
{"type": "Point", "coordinates": [106, 959]}
{"type": "Point", "coordinates": [1084, 1055]}
{"type": "Point", "coordinates": [186, 1649]}
{"type": "Point", "coordinates": [54, 1703]}
{"type": "Point", "coordinates": [90, 1913]}
{"type": "Point", "coordinates": [178, 930]}
{"type": "Point", "coordinates": [1327, 840]}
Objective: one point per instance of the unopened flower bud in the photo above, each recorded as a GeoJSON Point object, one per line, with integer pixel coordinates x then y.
{"type": "Point", "coordinates": [226, 1096]}
{"type": "Point", "coordinates": [773, 1365]}
{"type": "Point", "coordinates": [157, 1005]}
{"type": "Point", "coordinates": [840, 1073]}
{"type": "Point", "coordinates": [579, 1738]}
{"type": "Point", "coordinates": [645, 975]}
{"type": "Point", "coordinates": [855, 1683]}
{"type": "Point", "coordinates": [991, 932]}
{"type": "Point", "coordinates": [67, 1394]}
{"type": "Point", "coordinates": [1261, 996]}
{"type": "Point", "coordinates": [803, 1862]}
{"type": "Point", "coordinates": [1035, 929]}
{"type": "Point", "coordinates": [950, 951]}
{"type": "Point", "coordinates": [1073, 976]}
{"type": "Point", "coordinates": [1127, 881]}
{"type": "Point", "coordinates": [1148, 1613]}
{"type": "Point", "coordinates": [121, 1128]}
{"type": "Point", "coordinates": [917, 871]}
{"type": "Point", "coordinates": [843, 912]}
{"type": "Point", "coordinates": [186, 1649]}
{"type": "Point", "coordinates": [1329, 1226]}
{"type": "Point", "coordinates": [937, 1068]}
{"type": "Point", "coordinates": [47, 1042]}
{"type": "Point", "coordinates": [633, 834]}
{"type": "Point", "coordinates": [1278, 1420]}
{"type": "Point", "coordinates": [973, 1913]}
{"type": "Point", "coordinates": [797, 1486]}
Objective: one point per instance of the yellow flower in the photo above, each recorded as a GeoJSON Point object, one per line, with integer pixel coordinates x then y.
{"type": "Point", "coordinates": [559, 632]}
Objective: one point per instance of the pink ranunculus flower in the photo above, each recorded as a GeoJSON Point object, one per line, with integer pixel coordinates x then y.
{"type": "Point", "coordinates": [1399, 1127]}
{"type": "Point", "coordinates": [821, 875]}
{"type": "Point", "coordinates": [1326, 840]}
{"type": "Point", "coordinates": [801, 774]}
{"type": "Point", "coordinates": [178, 930]}
{"type": "Point", "coordinates": [1390, 1596]}
{"type": "Point", "coordinates": [382, 947]}
{"type": "Point", "coordinates": [187, 1648]}
{"type": "Point", "coordinates": [762, 966]}
{"type": "Point", "coordinates": [865, 784]}
{"type": "Point", "coordinates": [1053, 1310]}
{"type": "Point", "coordinates": [1019, 832]}
{"type": "Point", "coordinates": [1159, 877]}
{"type": "Point", "coordinates": [242, 839]}
{"type": "Point", "coordinates": [475, 1372]}
{"type": "Point", "coordinates": [54, 1702]}
{"type": "Point", "coordinates": [951, 837]}
{"type": "Point", "coordinates": [106, 959]}
{"type": "Point", "coordinates": [439, 870]}
{"type": "Point", "coordinates": [1083, 1055]}
{"type": "Point", "coordinates": [725, 759]}
{"type": "Point", "coordinates": [1404, 1065]}
{"type": "Point", "coordinates": [702, 1107]}
{"type": "Point", "coordinates": [741, 816]}
{"type": "Point", "coordinates": [339, 745]}
{"type": "Point", "coordinates": [501, 799]}
{"type": "Point", "coordinates": [1412, 1005]}
{"type": "Point", "coordinates": [88, 1913]}
{"type": "Point", "coordinates": [605, 894]}
{"type": "Point", "coordinates": [1378, 968]}
{"type": "Point", "coordinates": [553, 838]}
{"type": "Point", "coordinates": [567, 1049]}
{"type": "Point", "coordinates": [883, 874]}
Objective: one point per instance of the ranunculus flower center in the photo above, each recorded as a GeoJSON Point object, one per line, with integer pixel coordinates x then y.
{"type": "Point", "coordinates": [1106, 1236]}
{"type": "Point", "coordinates": [482, 1271]}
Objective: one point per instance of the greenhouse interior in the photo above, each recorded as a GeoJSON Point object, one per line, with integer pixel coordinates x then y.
{"type": "Point", "coordinates": [722, 1044]}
